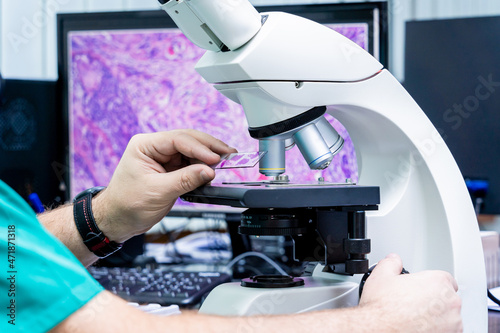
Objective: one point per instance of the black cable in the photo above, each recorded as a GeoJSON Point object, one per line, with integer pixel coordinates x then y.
{"type": "Point", "coordinates": [493, 298]}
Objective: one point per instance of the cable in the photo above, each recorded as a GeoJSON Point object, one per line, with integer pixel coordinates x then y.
{"type": "Point", "coordinates": [253, 270]}
{"type": "Point", "coordinates": [212, 236]}
{"type": "Point", "coordinates": [493, 298]}
{"type": "Point", "coordinates": [172, 238]}
{"type": "Point", "coordinates": [256, 254]}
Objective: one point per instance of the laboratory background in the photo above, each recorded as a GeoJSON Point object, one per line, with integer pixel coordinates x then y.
{"type": "Point", "coordinates": [79, 78]}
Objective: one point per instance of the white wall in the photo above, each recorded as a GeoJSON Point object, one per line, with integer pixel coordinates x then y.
{"type": "Point", "coordinates": [28, 43]}
{"type": "Point", "coordinates": [28, 27]}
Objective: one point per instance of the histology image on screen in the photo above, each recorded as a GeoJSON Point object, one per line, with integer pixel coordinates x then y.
{"type": "Point", "coordinates": [124, 82]}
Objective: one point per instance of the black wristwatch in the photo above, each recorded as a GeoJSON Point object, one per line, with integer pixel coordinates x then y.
{"type": "Point", "coordinates": [92, 236]}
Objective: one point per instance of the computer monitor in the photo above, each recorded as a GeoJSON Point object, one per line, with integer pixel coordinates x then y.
{"type": "Point", "coordinates": [28, 139]}
{"type": "Point", "coordinates": [452, 70]}
{"type": "Point", "coordinates": [124, 73]}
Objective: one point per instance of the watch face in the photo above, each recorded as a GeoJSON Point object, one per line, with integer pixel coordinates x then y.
{"type": "Point", "coordinates": [93, 191]}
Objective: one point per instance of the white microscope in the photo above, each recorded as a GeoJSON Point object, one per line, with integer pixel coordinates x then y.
{"type": "Point", "coordinates": [286, 71]}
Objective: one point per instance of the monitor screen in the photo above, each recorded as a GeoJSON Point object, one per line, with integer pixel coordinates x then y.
{"type": "Point", "coordinates": [455, 81]}
{"type": "Point", "coordinates": [124, 78]}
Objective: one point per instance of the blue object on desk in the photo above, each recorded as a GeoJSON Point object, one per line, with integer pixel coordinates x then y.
{"type": "Point", "coordinates": [36, 203]}
{"type": "Point", "coordinates": [476, 186]}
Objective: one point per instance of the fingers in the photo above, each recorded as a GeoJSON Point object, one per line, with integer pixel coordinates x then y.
{"type": "Point", "coordinates": [443, 276]}
{"type": "Point", "coordinates": [179, 182]}
{"type": "Point", "coordinates": [389, 266]}
{"type": "Point", "coordinates": [392, 265]}
{"type": "Point", "coordinates": [453, 281]}
{"type": "Point", "coordinates": [212, 143]}
{"type": "Point", "coordinates": [193, 144]}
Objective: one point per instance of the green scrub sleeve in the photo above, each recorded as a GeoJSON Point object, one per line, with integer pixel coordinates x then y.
{"type": "Point", "coordinates": [41, 281]}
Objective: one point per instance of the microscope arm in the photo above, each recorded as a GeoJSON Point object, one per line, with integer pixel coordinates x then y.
{"type": "Point", "coordinates": [292, 65]}
{"type": "Point", "coordinates": [425, 214]}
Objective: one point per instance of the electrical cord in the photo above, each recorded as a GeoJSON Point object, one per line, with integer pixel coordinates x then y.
{"type": "Point", "coordinates": [493, 298]}
{"type": "Point", "coordinates": [172, 238]}
{"type": "Point", "coordinates": [212, 238]}
{"type": "Point", "coordinates": [260, 255]}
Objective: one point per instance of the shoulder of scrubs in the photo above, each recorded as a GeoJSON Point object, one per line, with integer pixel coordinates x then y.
{"type": "Point", "coordinates": [42, 282]}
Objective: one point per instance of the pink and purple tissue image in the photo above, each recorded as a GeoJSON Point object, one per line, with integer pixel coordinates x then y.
{"type": "Point", "coordinates": [124, 82]}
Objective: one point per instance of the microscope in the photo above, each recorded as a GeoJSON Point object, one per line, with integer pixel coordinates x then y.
{"type": "Point", "coordinates": [410, 199]}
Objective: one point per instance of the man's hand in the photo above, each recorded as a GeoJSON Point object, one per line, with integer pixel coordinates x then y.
{"type": "Point", "coordinates": [419, 302]}
{"type": "Point", "coordinates": [153, 172]}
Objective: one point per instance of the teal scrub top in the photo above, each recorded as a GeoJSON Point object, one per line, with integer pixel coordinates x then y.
{"type": "Point", "coordinates": [41, 281]}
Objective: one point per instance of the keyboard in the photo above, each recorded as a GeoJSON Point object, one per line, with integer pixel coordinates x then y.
{"type": "Point", "coordinates": [160, 286]}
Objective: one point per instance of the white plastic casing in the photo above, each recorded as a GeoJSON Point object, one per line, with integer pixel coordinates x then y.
{"type": "Point", "coordinates": [291, 51]}
{"type": "Point", "coordinates": [425, 214]}
{"type": "Point", "coordinates": [290, 48]}
{"type": "Point", "coordinates": [211, 24]}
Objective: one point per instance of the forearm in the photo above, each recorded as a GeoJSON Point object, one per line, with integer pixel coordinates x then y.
{"type": "Point", "coordinates": [354, 319]}
{"type": "Point", "coordinates": [109, 313]}
{"type": "Point", "coordinates": [60, 222]}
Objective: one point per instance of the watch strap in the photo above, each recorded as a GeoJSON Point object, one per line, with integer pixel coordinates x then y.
{"type": "Point", "coordinates": [92, 236]}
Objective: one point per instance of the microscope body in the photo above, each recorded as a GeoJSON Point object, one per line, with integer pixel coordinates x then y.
{"type": "Point", "coordinates": [290, 67]}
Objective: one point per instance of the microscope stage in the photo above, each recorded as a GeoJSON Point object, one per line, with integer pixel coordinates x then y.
{"type": "Point", "coordinates": [267, 195]}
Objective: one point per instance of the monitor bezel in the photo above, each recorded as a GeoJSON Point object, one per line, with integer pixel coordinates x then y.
{"type": "Point", "coordinates": [373, 13]}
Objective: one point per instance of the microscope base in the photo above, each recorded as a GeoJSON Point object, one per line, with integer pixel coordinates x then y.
{"type": "Point", "coordinates": [318, 293]}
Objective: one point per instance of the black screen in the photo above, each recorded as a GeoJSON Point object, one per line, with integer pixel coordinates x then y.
{"type": "Point", "coordinates": [453, 71]}
{"type": "Point", "coordinates": [30, 139]}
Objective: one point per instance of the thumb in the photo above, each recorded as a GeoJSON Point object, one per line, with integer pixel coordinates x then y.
{"type": "Point", "coordinates": [391, 265]}
{"type": "Point", "coordinates": [187, 179]}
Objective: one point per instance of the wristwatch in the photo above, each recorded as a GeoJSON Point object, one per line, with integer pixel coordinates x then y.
{"type": "Point", "coordinates": [92, 236]}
